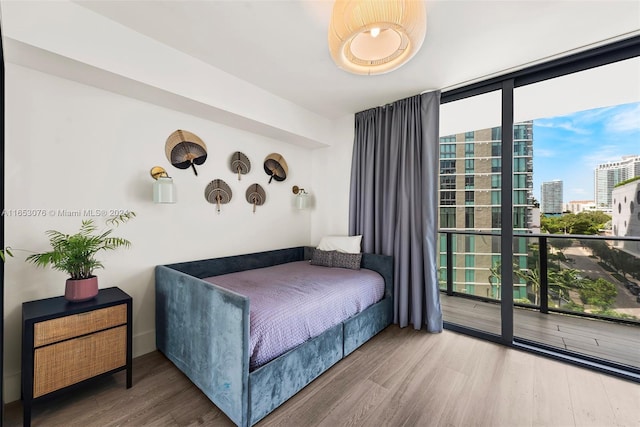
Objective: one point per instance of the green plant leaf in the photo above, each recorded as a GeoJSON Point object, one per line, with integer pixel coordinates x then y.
{"type": "Point", "coordinates": [5, 252]}
{"type": "Point", "coordinates": [75, 253]}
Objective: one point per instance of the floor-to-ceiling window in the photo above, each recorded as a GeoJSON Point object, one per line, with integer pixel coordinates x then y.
{"type": "Point", "coordinates": [467, 176]}
{"type": "Point", "coordinates": [537, 215]}
{"type": "Point", "coordinates": [586, 125]}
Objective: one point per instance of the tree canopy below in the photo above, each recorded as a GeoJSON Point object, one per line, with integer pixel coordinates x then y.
{"type": "Point", "coordinates": [584, 223]}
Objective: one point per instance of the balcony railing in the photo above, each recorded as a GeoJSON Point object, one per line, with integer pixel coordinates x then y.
{"type": "Point", "coordinates": [590, 276]}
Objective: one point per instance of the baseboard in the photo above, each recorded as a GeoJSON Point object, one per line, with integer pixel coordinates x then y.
{"type": "Point", "coordinates": [12, 387]}
{"type": "Point", "coordinates": [144, 343]}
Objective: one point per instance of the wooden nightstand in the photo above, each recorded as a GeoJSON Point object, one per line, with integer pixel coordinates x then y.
{"type": "Point", "coordinates": [65, 344]}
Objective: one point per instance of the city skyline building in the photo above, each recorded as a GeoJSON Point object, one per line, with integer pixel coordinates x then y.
{"type": "Point", "coordinates": [577, 206]}
{"type": "Point", "coordinates": [608, 175]}
{"type": "Point", "coordinates": [470, 199]}
{"type": "Point", "coordinates": [551, 193]}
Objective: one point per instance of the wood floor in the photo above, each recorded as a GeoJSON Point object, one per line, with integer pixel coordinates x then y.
{"type": "Point", "coordinates": [401, 377]}
{"type": "Point", "coordinates": [606, 340]}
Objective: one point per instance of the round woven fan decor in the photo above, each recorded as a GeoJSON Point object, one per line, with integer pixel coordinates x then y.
{"type": "Point", "coordinates": [185, 149]}
{"type": "Point", "coordinates": [276, 167]}
{"type": "Point", "coordinates": [256, 196]}
{"type": "Point", "coordinates": [218, 192]}
{"type": "Point", "coordinates": [240, 164]}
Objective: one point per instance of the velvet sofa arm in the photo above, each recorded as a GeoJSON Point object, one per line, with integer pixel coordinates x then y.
{"type": "Point", "coordinates": [204, 330]}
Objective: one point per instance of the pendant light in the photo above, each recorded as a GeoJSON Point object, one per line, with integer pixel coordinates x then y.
{"type": "Point", "coordinates": [376, 36]}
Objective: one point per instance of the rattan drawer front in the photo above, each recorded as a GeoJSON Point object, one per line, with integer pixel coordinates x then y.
{"type": "Point", "coordinates": [55, 330]}
{"type": "Point", "coordinates": [59, 365]}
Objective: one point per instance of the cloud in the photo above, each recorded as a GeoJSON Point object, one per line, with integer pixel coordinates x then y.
{"type": "Point", "coordinates": [574, 145]}
{"type": "Point", "coordinates": [627, 120]}
{"type": "Point", "coordinates": [543, 152]}
{"type": "Point", "coordinates": [544, 123]}
{"type": "Point", "coordinates": [565, 125]}
{"type": "Point", "coordinates": [589, 117]}
{"type": "Point", "coordinates": [603, 154]}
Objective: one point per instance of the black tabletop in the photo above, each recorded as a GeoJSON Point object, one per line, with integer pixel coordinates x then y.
{"type": "Point", "coordinates": [53, 307]}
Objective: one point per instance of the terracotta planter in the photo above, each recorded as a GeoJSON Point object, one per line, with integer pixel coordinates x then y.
{"type": "Point", "coordinates": [81, 290]}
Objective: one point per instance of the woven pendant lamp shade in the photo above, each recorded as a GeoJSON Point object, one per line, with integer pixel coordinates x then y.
{"type": "Point", "coordinates": [376, 36]}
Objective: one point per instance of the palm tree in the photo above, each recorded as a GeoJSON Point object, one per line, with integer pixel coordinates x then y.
{"type": "Point", "coordinates": [532, 277]}
{"type": "Point", "coordinates": [563, 280]}
{"type": "Point", "coordinates": [494, 273]}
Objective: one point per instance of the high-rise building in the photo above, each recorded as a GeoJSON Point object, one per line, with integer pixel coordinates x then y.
{"type": "Point", "coordinates": [607, 175]}
{"type": "Point", "coordinates": [470, 198]}
{"type": "Point", "coordinates": [551, 203]}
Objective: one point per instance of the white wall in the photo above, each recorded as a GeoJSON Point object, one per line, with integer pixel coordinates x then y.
{"type": "Point", "coordinates": [331, 180]}
{"type": "Point", "coordinates": [65, 39]}
{"type": "Point", "coordinates": [84, 127]}
{"type": "Point", "coordinates": [71, 146]}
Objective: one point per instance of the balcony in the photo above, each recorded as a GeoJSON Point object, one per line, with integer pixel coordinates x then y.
{"type": "Point", "coordinates": [575, 295]}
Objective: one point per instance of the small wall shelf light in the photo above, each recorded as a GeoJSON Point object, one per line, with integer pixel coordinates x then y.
{"type": "Point", "coordinates": [163, 188]}
{"type": "Point", "coordinates": [302, 197]}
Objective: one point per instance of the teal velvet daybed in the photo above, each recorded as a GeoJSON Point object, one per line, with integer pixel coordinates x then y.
{"type": "Point", "coordinates": [204, 330]}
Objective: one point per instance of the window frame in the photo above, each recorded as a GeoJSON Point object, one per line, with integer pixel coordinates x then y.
{"type": "Point", "coordinates": [620, 50]}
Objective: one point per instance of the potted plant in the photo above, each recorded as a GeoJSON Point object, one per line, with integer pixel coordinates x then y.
{"type": "Point", "coordinates": [75, 255]}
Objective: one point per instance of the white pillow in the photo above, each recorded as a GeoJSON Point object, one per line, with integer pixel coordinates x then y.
{"type": "Point", "coordinates": [347, 244]}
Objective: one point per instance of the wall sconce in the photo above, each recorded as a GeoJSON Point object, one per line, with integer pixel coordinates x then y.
{"type": "Point", "coordinates": [163, 188]}
{"type": "Point", "coordinates": [302, 197]}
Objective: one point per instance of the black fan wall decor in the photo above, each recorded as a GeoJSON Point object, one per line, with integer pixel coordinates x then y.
{"type": "Point", "coordinates": [185, 149]}
{"type": "Point", "coordinates": [276, 167]}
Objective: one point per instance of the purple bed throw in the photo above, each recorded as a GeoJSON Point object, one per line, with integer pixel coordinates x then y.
{"type": "Point", "coordinates": [291, 303]}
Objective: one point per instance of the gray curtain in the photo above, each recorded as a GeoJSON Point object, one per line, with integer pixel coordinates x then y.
{"type": "Point", "coordinates": [394, 200]}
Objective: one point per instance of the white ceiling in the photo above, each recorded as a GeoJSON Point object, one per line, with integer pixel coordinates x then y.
{"type": "Point", "coordinates": [281, 46]}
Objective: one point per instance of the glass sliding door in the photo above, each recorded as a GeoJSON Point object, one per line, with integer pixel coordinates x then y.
{"type": "Point", "coordinates": [540, 208]}
{"type": "Point", "coordinates": [470, 213]}
{"type": "Point", "coordinates": [580, 271]}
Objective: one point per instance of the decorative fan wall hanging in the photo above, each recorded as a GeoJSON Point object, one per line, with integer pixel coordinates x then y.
{"type": "Point", "coordinates": [276, 167]}
{"type": "Point", "coordinates": [240, 164]}
{"type": "Point", "coordinates": [185, 149]}
{"type": "Point", "coordinates": [256, 195]}
{"type": "Point", "coordinates": [218, 192]}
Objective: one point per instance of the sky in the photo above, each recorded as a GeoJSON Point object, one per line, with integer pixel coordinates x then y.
{"type": "Point", "coordinates": [570, 147]}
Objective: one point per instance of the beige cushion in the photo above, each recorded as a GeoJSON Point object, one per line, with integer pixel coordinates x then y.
{"type": "Point", "coordinates": [346, 244]}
